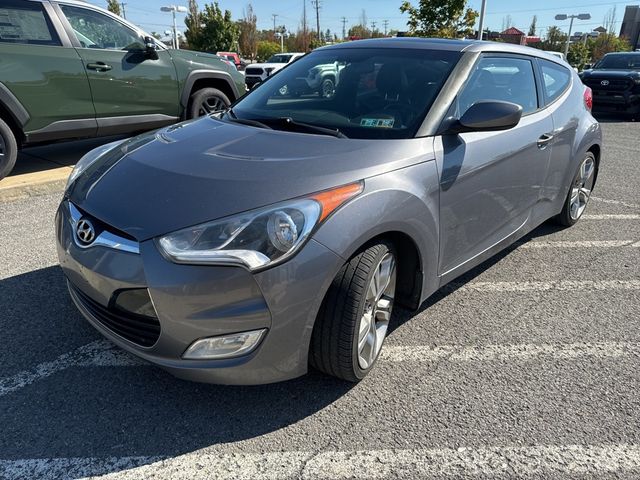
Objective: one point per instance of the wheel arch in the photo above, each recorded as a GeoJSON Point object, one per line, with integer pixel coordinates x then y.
{"type": "Point", "coordinates": [13, 113]}
{"type": "Point", "coordinates": [199, 79]}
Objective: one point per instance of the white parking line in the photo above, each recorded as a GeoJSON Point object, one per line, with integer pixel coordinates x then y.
{"type": "Point", "coordinates": [98, 353]}
{"type": "Point", "coordinates": [561, 285]}
{"type": "Point", "coordinates": [102, 353]}
{"type": "Point", "coordinates": [614, 216]}
{"type": "Point", "coordinates": [516, 352]}
{"type": "Point", "coordinates": [483, 462]}
{"type": "Point", "coordinates": [579, 244]}
{"type": "Point", "coordinates": [614, 202]}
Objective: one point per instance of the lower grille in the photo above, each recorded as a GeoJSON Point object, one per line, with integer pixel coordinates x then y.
{"type": "Point", "coordinates": [139, 329]}
{"type": "Point", "coordinates": [253, 71]}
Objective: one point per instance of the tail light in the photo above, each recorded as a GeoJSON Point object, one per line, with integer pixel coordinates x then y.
{"type": "Point", "coordinates": [588, 98]}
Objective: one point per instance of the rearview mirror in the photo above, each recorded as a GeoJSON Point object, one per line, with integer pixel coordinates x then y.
{"type": "Point", "coordinates": [488, 116]}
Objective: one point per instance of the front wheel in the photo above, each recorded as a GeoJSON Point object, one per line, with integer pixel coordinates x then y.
{"type": "Point", "coordinates": [579, 192]}
{"type": "Point", "coordinates": [354, 317]}
{"type": "Point", "coordinates": [206, 101]}
{"type": "Point", "coordinates": [8, 149]}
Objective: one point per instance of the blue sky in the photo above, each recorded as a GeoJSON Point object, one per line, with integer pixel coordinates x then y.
{"type": "Point", "coordinates": [146, 13]}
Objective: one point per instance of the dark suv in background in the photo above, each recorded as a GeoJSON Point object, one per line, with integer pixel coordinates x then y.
{"type": "Point", "coordinates": [72, 70]}
{"type": "Point", "coordinates": [615, 81]}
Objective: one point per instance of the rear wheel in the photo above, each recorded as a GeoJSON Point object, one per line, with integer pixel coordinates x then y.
{"type": "Point", "coordinates": [206, 101]}
{"type": "Point", "coordinates": [354, 318]}
{"type": "Point", "coordinates": [8, 149]}
{"type": "Point", "coordinates": [579, 192]}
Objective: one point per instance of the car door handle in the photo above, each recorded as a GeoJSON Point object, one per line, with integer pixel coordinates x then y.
{"type": "Point", "coordinates": [544, 140]}
{"type": "Point", "coordinates": [99, 66]}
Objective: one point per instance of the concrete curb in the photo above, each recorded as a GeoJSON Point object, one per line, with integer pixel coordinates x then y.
{"type": "Point", "coordinates": [31, 184]}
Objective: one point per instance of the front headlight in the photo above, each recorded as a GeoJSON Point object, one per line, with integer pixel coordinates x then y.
{"type": "Point", "coordinates": [259, 238]}
{"type": "Point", "coordinates": [88, 159]}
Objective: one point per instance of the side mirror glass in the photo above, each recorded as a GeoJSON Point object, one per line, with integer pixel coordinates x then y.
{"type": "Point", "coordinates": [150, 46]}
{"type": "Point", "coordinates": [488, 116]}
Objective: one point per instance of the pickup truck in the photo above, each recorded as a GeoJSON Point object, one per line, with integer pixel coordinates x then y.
{"type": "Point", "coordinates": [615, 82]}
{"type": "Point", "coordinates": [259, 72]}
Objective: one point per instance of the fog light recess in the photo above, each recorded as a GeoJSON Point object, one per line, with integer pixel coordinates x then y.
{"type": "Point", "coordinates": [226, 346]}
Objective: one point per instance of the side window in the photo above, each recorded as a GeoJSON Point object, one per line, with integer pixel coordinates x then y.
{"type": "Point", "coordinates": [501, 78]}
{"type": "Point", "coordinates": [26, 22]}
{"type": "Point", "coordinates": [555, 78]}
{"type": "Point", "coordinates": [96, 30]}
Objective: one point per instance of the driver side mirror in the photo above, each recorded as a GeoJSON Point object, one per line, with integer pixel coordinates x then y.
{"type": "Point", "coordinates": [487, 116]}
{"type": "Point", "coordinates": [150, 47]}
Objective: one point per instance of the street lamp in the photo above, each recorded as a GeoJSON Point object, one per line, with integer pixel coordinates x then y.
{"type": "Point", "coordinates": [562, 16]}
{"type": "Point", "coordinates": [282, 35]}
{"type": "Point", "coordinates": [173, 9]}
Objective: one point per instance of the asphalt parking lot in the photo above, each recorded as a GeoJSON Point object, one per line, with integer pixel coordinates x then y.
{"type": "Point", "coordinates": [527, 367]}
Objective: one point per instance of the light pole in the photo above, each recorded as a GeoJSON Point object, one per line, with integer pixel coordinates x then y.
{"type": "Point", "coordinates": [282, 34]}
{"type": "Point", "coordinates": [173, 9]}
{"type": "Point", "coordinates": [483, 9]}
{"type": "Point", "coordinates": [562, 16]}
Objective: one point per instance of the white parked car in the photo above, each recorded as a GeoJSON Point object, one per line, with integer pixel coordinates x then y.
{"type": "Point", "coordinates": [259, 72]}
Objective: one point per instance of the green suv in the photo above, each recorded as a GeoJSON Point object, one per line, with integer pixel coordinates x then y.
{"type": "Point", "coordinates": [71, 70]}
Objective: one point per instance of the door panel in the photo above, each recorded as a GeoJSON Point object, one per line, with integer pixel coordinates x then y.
{"type": "Point", "coordinates": [47, 78]}
{"type": "Point", "coordinates": [124, 79]}
{"type": "Point", "coordinates": [490, 181]}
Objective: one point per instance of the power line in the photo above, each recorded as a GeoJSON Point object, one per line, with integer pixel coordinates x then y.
{"type": "Point", "coordinates": [386, 24]}
{"type": "Point", "coordinates": [344, 27]}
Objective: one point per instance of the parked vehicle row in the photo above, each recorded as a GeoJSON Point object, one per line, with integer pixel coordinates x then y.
{"type": "Point", "coordinates": [71, 70]}
{"type": "Point", "coordinates": [291, 226]}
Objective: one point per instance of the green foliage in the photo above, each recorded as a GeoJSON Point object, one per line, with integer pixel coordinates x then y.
{"type": "Point", "coordinates": [360, 31]}
{"type": "Point", "coordinates": [266, 49]}
{"type": "Point", "coordinates": [440, 18]}
{"type": "Point", "coordinates": [211, 30]}
{"type": "Point", "coordinates": [579, 55]}
{"type": "Point", "coordinates": [114, 7]}
{"type": "Point", "coordinates": [607, 43]}
{"type": "Point", "coordinates": [248, 33]}
{"type": "Point", "coordinates": [554, 41]}
{"type": "Point", "coordinates": [533, 26]}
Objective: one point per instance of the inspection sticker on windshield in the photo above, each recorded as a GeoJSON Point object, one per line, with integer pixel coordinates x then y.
{"type": "Point", "coordinates": [377, 122]}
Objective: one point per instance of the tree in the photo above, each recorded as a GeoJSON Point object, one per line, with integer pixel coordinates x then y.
{"type": "Point", "coordinates": [532, 27]}
{"type": "Point", "coordinates": [248, 39]}
{"type": "Point", "coordinates": [578, 55]}
{"type": "Point", "coordinates": [266, 49]}
{"type": "Point", "coordinates": [359, 31]}
{"type": "Point", "coordinates": [607, 43]}
{"type": "Point", "coordinates": [440, 18]}
{"type": "Point", "coordinates": [114, 7]}
{"type": "Point", "coordinates": [211, 30]}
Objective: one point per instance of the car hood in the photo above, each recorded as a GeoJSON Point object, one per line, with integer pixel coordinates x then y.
{"type": "Point", "coordinates": [276, 66]}
{"type": "Point", "coordinates": [610, 74]}
{"type": "Point", "coordinates": [202, 170]}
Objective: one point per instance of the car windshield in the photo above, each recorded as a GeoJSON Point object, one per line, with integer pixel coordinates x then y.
{"type": "Point", "coordinates": [358, 92]}
{"type": "Point", "coordinates": [619, 62]}
{"type": "Point", "coordinates": [279, 59]}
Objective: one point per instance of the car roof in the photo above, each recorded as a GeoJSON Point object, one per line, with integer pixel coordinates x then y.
{"type": "Point", "coordinates": [446, 44]}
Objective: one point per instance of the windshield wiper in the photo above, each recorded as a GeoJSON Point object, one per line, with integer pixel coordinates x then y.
{"type": "Point", "coordinates": [288, 122]}
{"type": "Point", "coordinates": [245, 121]}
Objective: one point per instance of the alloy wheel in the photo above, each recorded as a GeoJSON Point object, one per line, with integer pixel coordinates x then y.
{"type": "Point", "coordinates": [3, 148]}
{"type": "Point", "coordinates": [581, 188]}
{"type": "Point", "coordinates": [210, 105]}
{"type": "Point", "coordinates": [328, 89]}
{"type": "Point", "coordinates": [374, 322]}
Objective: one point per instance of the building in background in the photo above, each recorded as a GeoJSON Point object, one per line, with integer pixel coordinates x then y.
{"type": "Point", "coordinates": [631, 26]}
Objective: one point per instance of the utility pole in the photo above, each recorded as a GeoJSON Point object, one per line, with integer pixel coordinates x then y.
{"type": "Point", "coordinates": [344, 27]}
{"type": "Point", "coordinates": [274, 16]}
{"type": "Point", "coordinates": [483, 10]}
{"type": "Point", "coordinates": [373, 28]}
{"type": "Point", "coordinates": [124, 14]}
{"type": "Point", "coordinates": [304, 26]}
{"type": "Point", "coordinates": [386, 24]}
{"type": "Point", "coordinates": [317, 6]}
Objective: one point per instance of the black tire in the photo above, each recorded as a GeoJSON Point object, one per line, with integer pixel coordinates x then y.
{"type": "Point", "coordinates": [8, 149]}
{"type": "Point", "coordinates": [334, 342]}
{"type": "Point", "coordinates": [214, 98]}
{"type": "Point", "coordinates": [564, 218]}
{"type": "Point", "coordinates": [328, 88]}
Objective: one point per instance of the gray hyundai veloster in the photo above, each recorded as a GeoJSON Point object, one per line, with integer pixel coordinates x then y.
{"type": "Point", "coordinates": [242, 247]}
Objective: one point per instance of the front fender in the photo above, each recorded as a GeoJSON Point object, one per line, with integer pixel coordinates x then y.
{"type": "Point", "coordinates": [404, 201]}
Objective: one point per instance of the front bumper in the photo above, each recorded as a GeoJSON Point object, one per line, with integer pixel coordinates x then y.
{"type": "Point", "coordinates": [251, 80]}
{"type": "Point", "coordinates": [193, 302]}
{"type": "Point", "coordinates": [613, 101]}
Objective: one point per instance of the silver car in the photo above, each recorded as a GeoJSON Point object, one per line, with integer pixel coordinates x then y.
{"type": "Point", "coordinates": [245, 246]}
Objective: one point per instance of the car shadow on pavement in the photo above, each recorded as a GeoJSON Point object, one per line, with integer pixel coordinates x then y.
{"type": "Point", "coordinates": [402, 316]}
{"type": "Point", "coordinates": [98, 412]}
